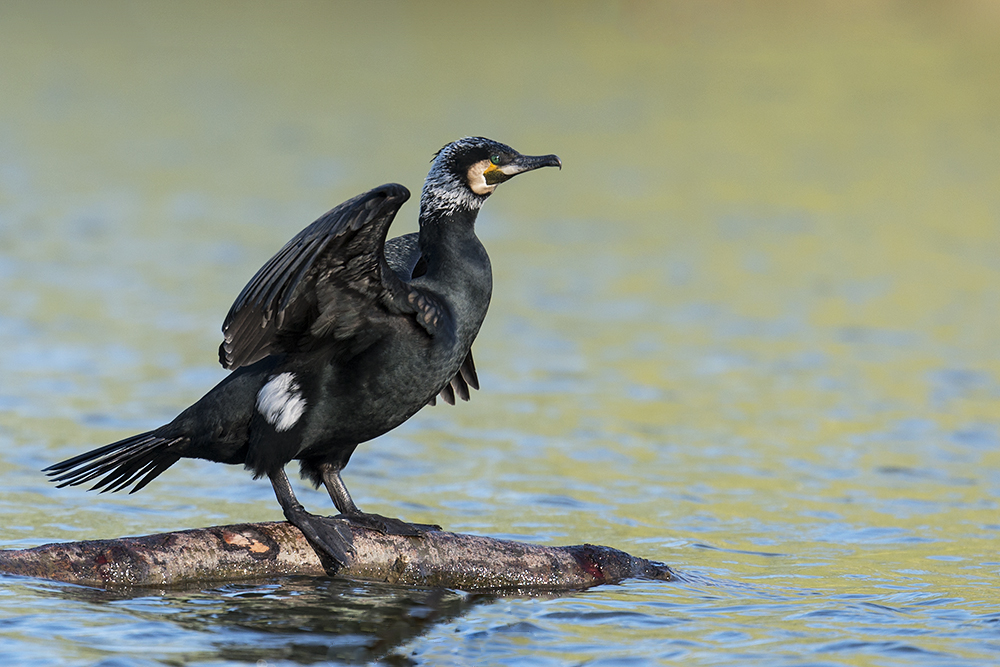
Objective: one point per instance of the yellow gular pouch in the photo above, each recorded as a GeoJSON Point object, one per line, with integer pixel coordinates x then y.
{"type": "Point", "coordinates": [495, 174]}
{"type": "Point", "coordinates": [484, 176]}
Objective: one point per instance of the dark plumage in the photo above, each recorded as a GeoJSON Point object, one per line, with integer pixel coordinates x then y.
{"type": "Point", "coordinates": [338, 338]}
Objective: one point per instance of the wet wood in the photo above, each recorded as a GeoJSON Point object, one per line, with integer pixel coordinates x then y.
{"type": "Point", "coordinates": [262, 550]}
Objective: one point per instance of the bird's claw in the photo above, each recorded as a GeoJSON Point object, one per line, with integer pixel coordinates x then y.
{"type": "Point", "coordinates": [326, 534]}
{"type": "Point", "coordinates": [388, 525]}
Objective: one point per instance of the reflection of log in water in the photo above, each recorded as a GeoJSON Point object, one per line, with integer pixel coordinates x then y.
{"type": "Point", "coordinates": [244, 551]}
{"type": "Point", "coordinates": [298, 620]}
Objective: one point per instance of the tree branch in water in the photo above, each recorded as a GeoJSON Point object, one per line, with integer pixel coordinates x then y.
{"type": "Point", "coordinates": [262, 550]}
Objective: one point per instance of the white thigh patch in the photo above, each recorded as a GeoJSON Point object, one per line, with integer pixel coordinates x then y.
{"type": "Point", "coordinates": [280, 401]}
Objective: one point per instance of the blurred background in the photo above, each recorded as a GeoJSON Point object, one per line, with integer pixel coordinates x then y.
{"type": "Point", "coordinates": [751, 329]}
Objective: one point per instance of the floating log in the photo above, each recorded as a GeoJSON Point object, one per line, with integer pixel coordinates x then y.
{"type": "Point", "coordinates": [261, 550]}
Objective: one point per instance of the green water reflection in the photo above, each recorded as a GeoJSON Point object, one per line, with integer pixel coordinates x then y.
{"type": "Point", "coordinates": [751, 329]}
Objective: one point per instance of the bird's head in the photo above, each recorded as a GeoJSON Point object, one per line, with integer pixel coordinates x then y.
{"type": "Point", "coordinates": [465, 172]}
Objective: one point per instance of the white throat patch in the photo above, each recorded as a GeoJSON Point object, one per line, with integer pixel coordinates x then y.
{"type": "Point", "coordinates": [477, 179]}
{"type": "Point", "coordinates": [281, 402]}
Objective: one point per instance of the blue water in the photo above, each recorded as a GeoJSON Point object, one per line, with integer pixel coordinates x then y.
{"type": "Point", "coordinates": [309, 621]}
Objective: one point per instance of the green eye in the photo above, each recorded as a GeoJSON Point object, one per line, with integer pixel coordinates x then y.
{"type": "Point", "coordinates": [495, 159]}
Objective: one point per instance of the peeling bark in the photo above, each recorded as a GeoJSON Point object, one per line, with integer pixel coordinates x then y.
{"type": "Point", "coordinates": [262, 550]}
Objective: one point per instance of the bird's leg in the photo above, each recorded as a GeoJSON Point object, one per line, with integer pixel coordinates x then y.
{"type": "Point", "coordinates": [348, 510]}
{"type": "Point", "coordinates": [338, 490]}
{"type": "Point", "coordinates": [330, 536]}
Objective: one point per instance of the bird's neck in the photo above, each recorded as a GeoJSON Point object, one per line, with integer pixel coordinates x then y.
{"type": "Point", "coordinates": [457, 265]}
{"type": "Point", "coordinates": [450, 247]}
{"type": "Point", "coordinates": [446, 237]}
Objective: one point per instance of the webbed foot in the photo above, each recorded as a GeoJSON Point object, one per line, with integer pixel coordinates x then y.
{"type": "Point", "coordinates": [326, 534]}
{"type": "Point", "coordinates": [388, 525]}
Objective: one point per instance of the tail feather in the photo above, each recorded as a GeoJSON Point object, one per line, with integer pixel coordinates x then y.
{"type": "Point", "coordinates": [460, 384]}
{"type": "Point", "coordinates": [96, 462]}
{"type": "Point", "coordinates": [138, 459]}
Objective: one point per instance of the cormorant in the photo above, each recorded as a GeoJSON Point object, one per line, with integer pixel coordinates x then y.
{"type": "Point", "coordinates": [338, 338]}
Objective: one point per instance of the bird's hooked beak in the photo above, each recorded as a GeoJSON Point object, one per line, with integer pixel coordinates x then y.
{"type": "Point", "coordinates": [485, 175]}
{"type": "Point", "coordinates": [524, 163]}
{"type": "Point", "coordinates": [519, 165]}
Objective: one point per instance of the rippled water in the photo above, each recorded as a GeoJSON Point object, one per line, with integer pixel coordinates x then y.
{"type": "Point", "coordinates": [752, 328]}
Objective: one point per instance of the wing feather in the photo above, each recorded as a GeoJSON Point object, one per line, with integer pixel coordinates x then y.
{"type": "Point", "coordinates": [325, 280]}
{"type": "Point", "coordinates": [322, 280]}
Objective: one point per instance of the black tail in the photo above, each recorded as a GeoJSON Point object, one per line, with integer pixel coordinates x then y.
{"type": "Point", "coordinates": [141, 457]}
{"type": "Point", "coordinates": [459, 385]}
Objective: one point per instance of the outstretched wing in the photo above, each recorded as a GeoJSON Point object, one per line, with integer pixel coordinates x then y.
{"type": "Point", "coordinates": [325, 282]}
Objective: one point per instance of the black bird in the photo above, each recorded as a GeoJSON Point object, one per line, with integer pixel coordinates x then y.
{"type": "Point", "coordinates": [338, 338]}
